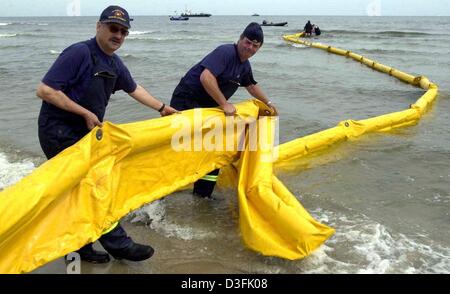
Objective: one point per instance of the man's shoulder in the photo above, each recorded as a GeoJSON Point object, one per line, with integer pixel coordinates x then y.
{"type": "Point", "coordinates": [83, 46]}
{"type": "Point", "coordinates": [226, 50]}
{"type": "Point", "coordinates": [79, 49]}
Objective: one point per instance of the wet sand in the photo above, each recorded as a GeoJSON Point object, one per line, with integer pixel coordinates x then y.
{"type": "Point", "coordinates": [166, 260]}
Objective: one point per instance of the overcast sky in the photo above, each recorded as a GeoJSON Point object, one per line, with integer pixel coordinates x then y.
{"type": "Point", "coordinates": [229, 7]}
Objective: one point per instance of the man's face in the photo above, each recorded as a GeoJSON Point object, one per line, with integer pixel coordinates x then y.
{"type": "Point", "coordinates": [247, 48]}
{"type": "Point", "coordinates": [111, 36]}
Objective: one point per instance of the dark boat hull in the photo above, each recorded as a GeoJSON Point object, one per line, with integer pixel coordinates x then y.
{"type": "Point", "coordinates": [178, 18]}
{"type": "Point", "coordinates": [196, 15]}
{"type": "Point", "coordinates": [277, 24]}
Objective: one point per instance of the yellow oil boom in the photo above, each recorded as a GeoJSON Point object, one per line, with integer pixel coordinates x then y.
{"type": "Point", "coordinates": [73, 198]}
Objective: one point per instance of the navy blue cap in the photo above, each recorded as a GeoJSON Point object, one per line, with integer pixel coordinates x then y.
{"type": "Point", "coordinates": [116, 14]}
{"type": "Point", "coordinates": [254, 32]}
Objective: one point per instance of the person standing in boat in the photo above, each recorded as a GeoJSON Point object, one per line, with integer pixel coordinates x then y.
{"type": "Point", "coordinates": [75, 93]}
{"type": "Point", "coordinates": [308, 29]}
{"type": "Point", "coordinates": [212, 81]}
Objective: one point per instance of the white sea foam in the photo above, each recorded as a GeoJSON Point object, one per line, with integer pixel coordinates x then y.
{"type": "Point", "coordinates": [5, 23]}
{"type": "Point", "coordinates": [363, 246]}
{"type": "Point", "coordinates": [33, 23]}
{"type": "Point", "coordinates": [55, 52]}
{"type": "Point", "coordinates": [140, 32]}
{"type": "Point", "coordinates": [12, 172]}
{"type": "Point", "coordinates": [128, 55]}
{"type": "Point", "coordinates": [299, 45]}
{"type": "Point", "coordinates": [7, 35]}
{"type": "Point", "coordinates": [170, 38]}
{"type": "Point", "coordinates": [153, 214]}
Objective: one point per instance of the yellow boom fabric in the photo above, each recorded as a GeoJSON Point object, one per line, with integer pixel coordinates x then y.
{"type": "Point", "coordinates": [272, 221]}
{"type": "Point", "coordinates": [71, 199]}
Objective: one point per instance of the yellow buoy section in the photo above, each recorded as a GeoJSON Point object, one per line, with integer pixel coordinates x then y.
{"type": "Point", "coordinates": [351, 128]}
{"type": "Point", "coordinates": [72, 198]}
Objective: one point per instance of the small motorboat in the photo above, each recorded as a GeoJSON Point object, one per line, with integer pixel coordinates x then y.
{"type": "Point", "coordinates": [274, 24]}
{"type": "Point", "coordinates": [190, 14]}
{"type": "Point", "coordinates": [179, 18]}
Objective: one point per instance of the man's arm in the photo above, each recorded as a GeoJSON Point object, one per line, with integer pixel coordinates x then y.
{"type": "Point", "coordinates": [257, 92]}
{"type": "Point", "coordinates": [211, 86]}
{"type": "Point", "coordinates": [144, 97]}
{"type": "Point", "coordinates": [60, 100]}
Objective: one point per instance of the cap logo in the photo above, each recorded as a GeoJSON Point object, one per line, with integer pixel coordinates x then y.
{"type": "Point", "coordinates": [118, 14]}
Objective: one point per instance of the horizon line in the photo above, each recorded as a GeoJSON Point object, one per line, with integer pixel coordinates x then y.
{"type": "Point", "coordinates": [307, 15]}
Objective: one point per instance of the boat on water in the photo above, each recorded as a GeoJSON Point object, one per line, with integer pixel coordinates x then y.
{"type": "Point", "coordinates": [255, 14]}
{"type": "Point", "coordinates": [179, 18]}
{"type": "Point", "coordinates": [190, 14]}
{"type": "Point", "coordinates": [274, 24]}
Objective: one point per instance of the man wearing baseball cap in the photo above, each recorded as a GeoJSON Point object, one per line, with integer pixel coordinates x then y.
{"type": "Point", "coordinates": [116, 14]}
{"type": "Point", "coordinates": [213, 80]}
{"type": "Point", "coordinates": [75, 93]}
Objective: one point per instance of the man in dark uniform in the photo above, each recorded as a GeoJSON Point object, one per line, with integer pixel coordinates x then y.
{"type": "Point", "coordinates": [308, 28]}
{"type": "Point", "coordinates": [212, 81]}
{"type": "Point", "coordinates": [75, 92]}
{"type": "Point", "coordinates": [317, 31]}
